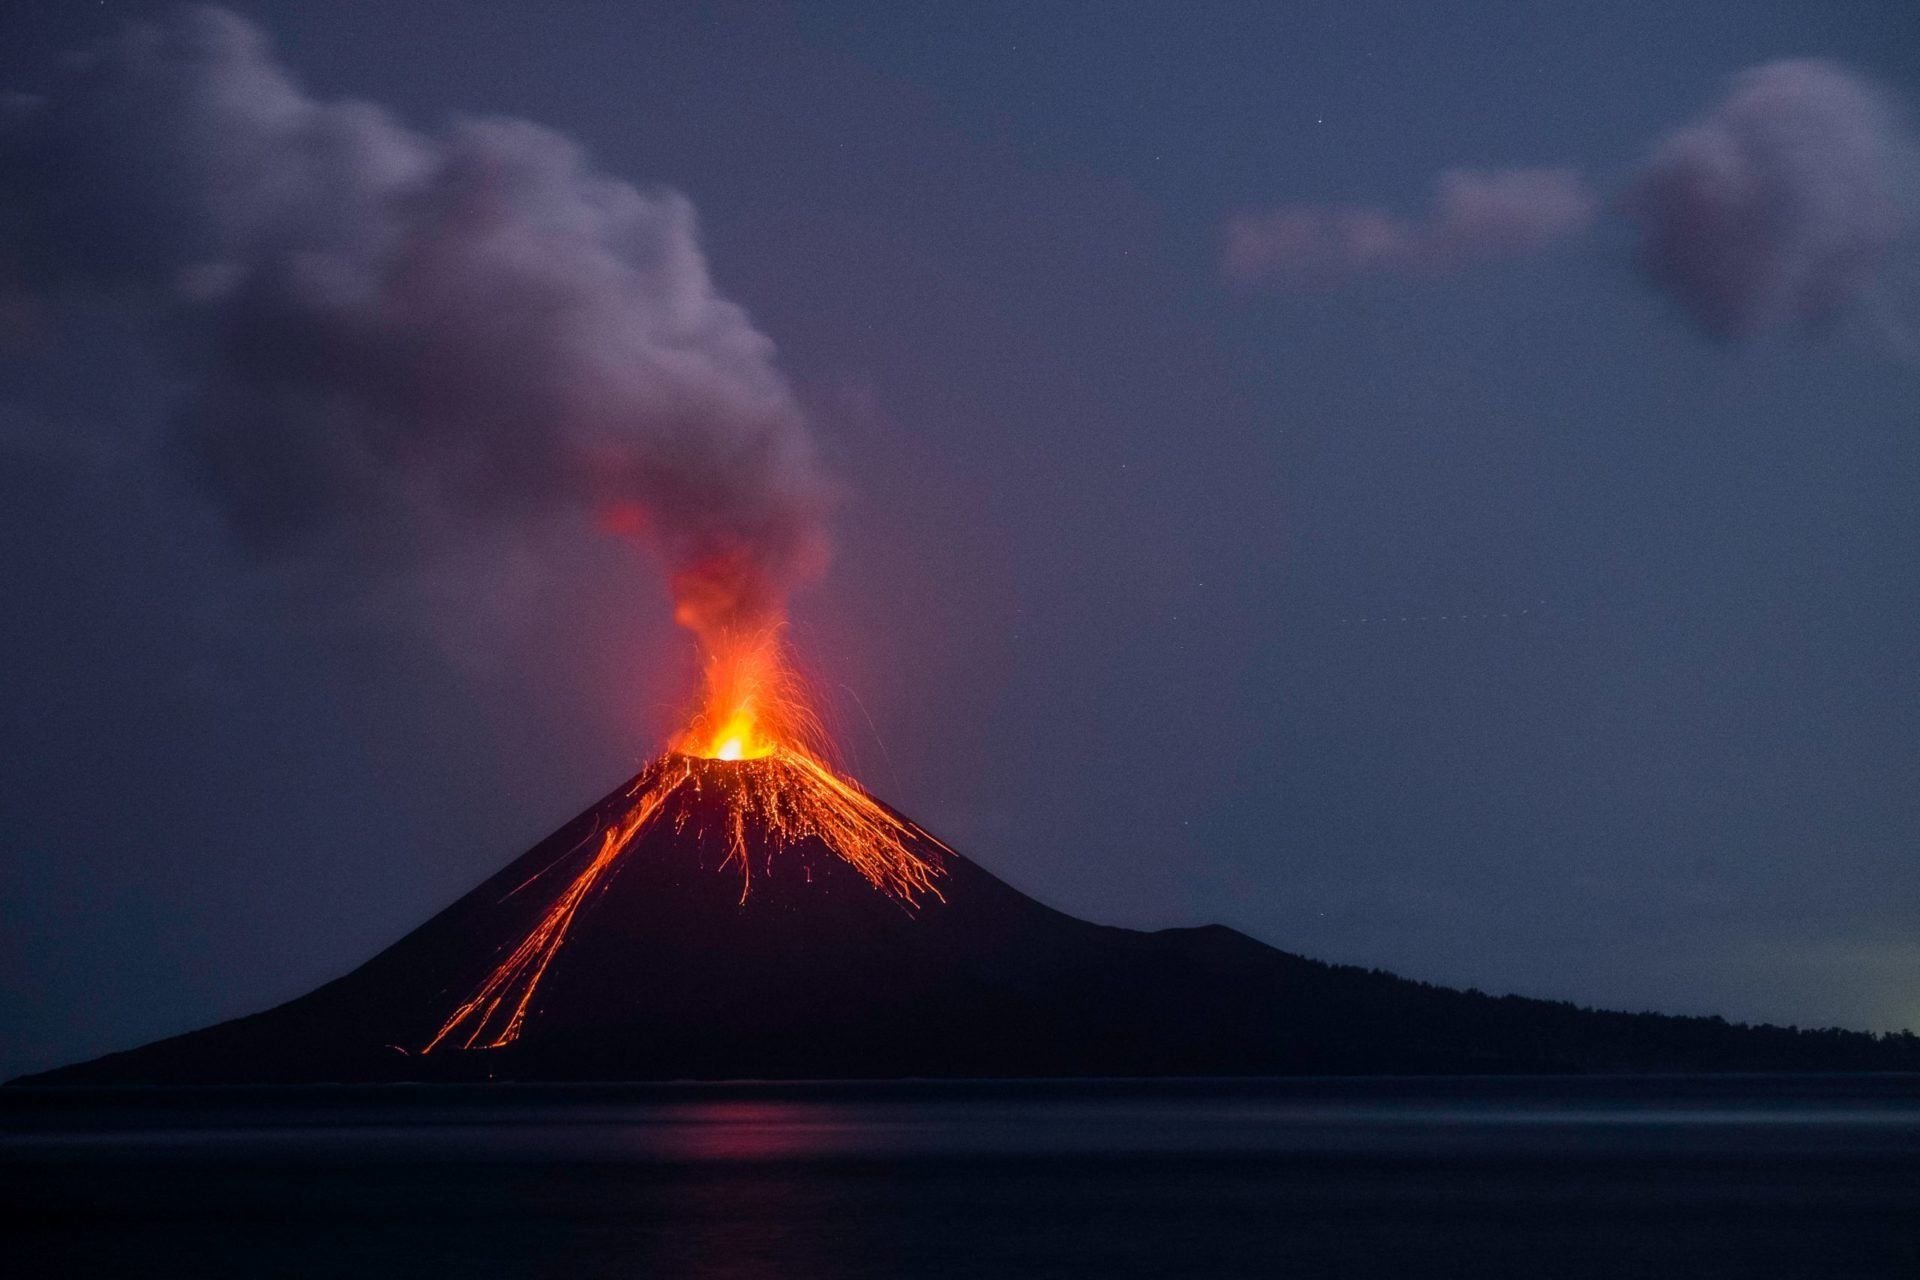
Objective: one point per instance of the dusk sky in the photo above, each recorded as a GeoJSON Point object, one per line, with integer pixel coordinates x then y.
{"type": "Point", "coordinates": [1469, 598]}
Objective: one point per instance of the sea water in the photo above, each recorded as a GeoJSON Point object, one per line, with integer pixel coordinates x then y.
{"type": "Point", "coordinates": [1472, 1177]}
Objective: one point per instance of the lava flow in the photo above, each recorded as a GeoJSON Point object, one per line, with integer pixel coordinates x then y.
{"type": "Point", "coordinates": [758, 738]}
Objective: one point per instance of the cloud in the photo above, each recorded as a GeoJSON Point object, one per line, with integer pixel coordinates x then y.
{"type": "Point", "coordinates": [1779, 205]}
{"type": "Point", "coordinates": [1477, 216]}
{"type": "Point", "coordinates": [1789, 201]}
{"type": "Point", "coordinates": [388, 331]}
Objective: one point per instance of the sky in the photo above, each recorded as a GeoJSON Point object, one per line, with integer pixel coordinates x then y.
{"type": "Point", "coordinates": [1487, 622]}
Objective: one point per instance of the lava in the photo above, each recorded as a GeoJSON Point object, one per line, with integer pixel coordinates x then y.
{"type": "Point", "coordinates": [757, 721]}
{"type": "Point", "coordinates": [753, 706]}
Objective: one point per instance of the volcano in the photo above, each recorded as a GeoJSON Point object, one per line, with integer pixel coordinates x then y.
{"type": "Point", "coordinates": [718, 939]}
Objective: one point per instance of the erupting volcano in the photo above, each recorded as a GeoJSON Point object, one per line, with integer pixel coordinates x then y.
{"type": "Point", "coordinates": [739, 909]}
{"type": "Point", "coordinates": [403, 345]}
{"type": "Point", "coordinates": [749, 764]}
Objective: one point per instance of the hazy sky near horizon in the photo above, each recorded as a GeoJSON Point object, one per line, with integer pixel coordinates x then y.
{"type": "Point", "coordinates": [1490, 625]}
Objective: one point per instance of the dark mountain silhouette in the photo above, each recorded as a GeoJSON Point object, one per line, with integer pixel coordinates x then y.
{"type": "Point", "coordinates": [668, 974]}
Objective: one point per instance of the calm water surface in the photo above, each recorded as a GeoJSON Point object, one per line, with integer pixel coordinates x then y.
{"type": "Point", "coordinates": [1691, 1177]}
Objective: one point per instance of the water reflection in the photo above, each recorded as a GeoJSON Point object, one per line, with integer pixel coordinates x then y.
{"type": "Point", "coordinates": [1485, 1178]}
{"type": "Point", "coordinates": [741, 1203]}
{"type": "Point", "coordinates": [753, 1130]}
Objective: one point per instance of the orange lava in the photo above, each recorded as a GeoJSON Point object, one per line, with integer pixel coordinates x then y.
{"type": "Point", "coordinates": [753, 705]}
{"type": "Point", "coordinates": [754, 713]}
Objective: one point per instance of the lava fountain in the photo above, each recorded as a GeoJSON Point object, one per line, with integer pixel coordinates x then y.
{"type": "Point", "coordinates": [758, 743]}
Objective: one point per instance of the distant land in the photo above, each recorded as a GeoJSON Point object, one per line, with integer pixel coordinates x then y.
{"type": "Point", "coordinates": [667, 973]}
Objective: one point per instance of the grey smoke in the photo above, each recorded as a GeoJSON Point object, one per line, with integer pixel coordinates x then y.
{"type": "Point", "coordinates": [1780, 204]}
{"type": "Point", "coordinates": [385, 327]}
{"type": "Point", "coordinates": [1786, 202]}
{"type": "Point", "coordinates": [1476, 217]}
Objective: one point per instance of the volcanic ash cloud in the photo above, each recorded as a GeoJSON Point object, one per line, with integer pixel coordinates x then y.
{"type": "Point", "coordinates": [1788, 201]}
{"type": "Point", "coordinates": [1781, 204]}
{"type": "Point", "coordinates": [1476, 217]}
{"type": "Point", "coordinates": [387, 330]}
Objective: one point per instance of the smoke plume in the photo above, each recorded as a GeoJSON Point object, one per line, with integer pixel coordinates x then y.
{"type": "Point", "coordinates": [1476, 217]}
{"type": "Point", "coordinates": [1780, 204]}
{"type": "Point", "coordinates": [385, 328]}
{"type": "Point", "coordinates": [1783, 204]}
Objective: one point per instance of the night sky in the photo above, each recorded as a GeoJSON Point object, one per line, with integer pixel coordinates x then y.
{"type": "Point", "coordinates": [1490, 623]}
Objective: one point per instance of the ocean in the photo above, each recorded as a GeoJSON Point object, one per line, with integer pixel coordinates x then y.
{"type": "Point", "coordinates": [1540, 1178]}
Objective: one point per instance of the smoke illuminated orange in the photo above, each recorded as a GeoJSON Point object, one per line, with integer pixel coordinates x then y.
{"type": "Point", "coordinates": [755, 717]}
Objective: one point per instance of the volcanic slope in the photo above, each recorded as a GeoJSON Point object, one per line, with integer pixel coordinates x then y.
{"type": "Point", "coordinates": [707, 950]}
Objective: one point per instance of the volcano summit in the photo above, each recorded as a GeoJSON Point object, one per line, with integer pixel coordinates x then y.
{"type": "Point", "coordinates": [717, 935]}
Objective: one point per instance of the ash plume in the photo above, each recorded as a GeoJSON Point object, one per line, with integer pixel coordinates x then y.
{"type": "Point", "coordinates": [1787, 202]}
{"type": "Point", "coordinates": [1476, 217]}
{"type": "Point", "coordinates": [1780, 204]}
{"type": "Point", "coordinates": [385, 329]}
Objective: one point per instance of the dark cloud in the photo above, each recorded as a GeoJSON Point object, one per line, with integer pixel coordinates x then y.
{"type": "Point", "coordinates": [389, 331]}
{"type": "Point", "coordinates": [1781, 204]}
{"type": "Point", "coordinates": [1476, 217]}
{"type": "Point", "coordinates": [1784, 203]}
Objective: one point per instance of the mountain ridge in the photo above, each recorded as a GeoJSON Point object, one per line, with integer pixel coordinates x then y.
{"type": "Point", "coordinates": [703, 954]}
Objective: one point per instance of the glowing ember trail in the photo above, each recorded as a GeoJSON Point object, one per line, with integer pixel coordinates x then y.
{"type": "Point", "coordinates": [776, 783]}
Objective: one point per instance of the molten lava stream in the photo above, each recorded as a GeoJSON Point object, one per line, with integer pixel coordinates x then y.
{"type": "Point", "coordinates": [757, 722]}
{"type": "Point", "coordinates": [512, 984]}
